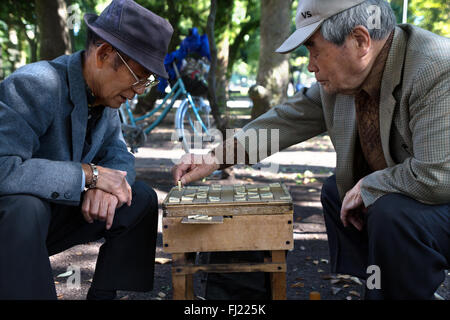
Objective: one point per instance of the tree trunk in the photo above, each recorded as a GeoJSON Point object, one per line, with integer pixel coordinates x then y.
{"type": "Point", "coordinates": [54, 32]}
{"type": "Point", "coordinates": [273, 69]}
{"type": "Point", "coordinates": [221, 69]}
{"type": "Point", "coordinates": [215, 107]}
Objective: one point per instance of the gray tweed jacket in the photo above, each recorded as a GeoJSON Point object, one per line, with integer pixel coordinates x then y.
{"type": "Point", "coordinates": [414, 121]}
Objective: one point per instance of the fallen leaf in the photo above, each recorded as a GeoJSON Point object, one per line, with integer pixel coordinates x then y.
{"type": "Point", "coordinates": [162, 260]}
{"type": "Point", "coordinates": [437, 296]}
{"type": "Point", "coordinates": [355, 293]}
{"type": "Point", "coordinates": [343, 276]}
{"type": "Point", "coordinates": [161, 294]}
{"type": "Point", "coordinates": [56, 282]}
{"type": "Point", "coordinates": [334, 281]}
{"type": "Point", "coordinates": [65, 274]}
{"type": "Point", "coordinates": [335, 290]}
{"type": "Point", "coordinates": [299, 279]}
{"type": "Point", "coordinates": [320, 270]}
{"type": "Point", "coordinates": [124, 297]}
{"type": "Point", "coordinates": [308, 258]}
{"type": "Point", "coordinates": [348, 298]}
{"type": "Point", "coordinates": [316, 262]}
{"type": "Point", "coordinates": [356, 280]}
{"type": "Point", "coordinates": [324, 260]}
{"type": "Point", "coordinates": [298, 285]}
{"type": "Point", "coordinates": [302, 248]}
{"type": "Point", "coordinates": [326, 276]}
{"type": "Point", "coordinates": [345, 286]}
{"type": "Point", "coordinates": [60, 296]}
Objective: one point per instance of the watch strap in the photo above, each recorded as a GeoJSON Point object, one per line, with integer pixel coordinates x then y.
{"type": "Point", "coordinates": [94, 169]}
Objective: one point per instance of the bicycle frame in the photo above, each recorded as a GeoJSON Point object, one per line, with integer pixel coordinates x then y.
{"type": "Point", "coordinates": [178, 90]}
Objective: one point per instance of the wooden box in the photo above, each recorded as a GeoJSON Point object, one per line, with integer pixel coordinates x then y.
{"type": "Point", "coordinates": [237, 218]}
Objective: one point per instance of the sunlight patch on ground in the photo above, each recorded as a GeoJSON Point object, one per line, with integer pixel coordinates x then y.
{"type": "Point", "coordinates": [299, 158]}
{"type": "Point", "coordinates": [310, 236]}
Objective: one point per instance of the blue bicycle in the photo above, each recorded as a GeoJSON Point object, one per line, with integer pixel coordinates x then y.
{"type": "Point", "coordinates": [193, 110]}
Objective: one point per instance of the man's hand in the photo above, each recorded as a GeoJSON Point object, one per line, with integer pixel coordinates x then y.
{"type": "Point", "coordinates": [194, 167]}
{"type": "Point", "coordinates": [99, 205]}
{"type": "Point", "coordinates": [112, 181]}
{"type": "Point", "coordinates": [353, 209]}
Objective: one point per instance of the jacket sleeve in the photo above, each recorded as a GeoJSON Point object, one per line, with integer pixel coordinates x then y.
{"type": "Point", "coordinates": [298, 119]}
{"type": "Point", "coordinates": [113, 153]}
{"type": "Point", "coordinates": [426, 175]}
{"type": "Point", "coordinates": [28, 100]}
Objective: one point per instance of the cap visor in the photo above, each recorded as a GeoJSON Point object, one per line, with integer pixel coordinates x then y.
{"type": "Point", "coordinates": [298, 37]}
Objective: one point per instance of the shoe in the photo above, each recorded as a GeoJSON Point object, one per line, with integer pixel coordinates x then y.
{"type": "Point", "coordinates": [99, 294]}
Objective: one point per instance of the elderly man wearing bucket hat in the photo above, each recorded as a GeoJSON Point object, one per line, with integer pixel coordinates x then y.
{"type": "Point", "coordinates": [66, 175]}
{"type": "Point", "coordinates": [382, 94]}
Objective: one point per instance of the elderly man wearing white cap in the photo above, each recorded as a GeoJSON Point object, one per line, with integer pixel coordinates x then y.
{"type": "Point", "coordinates": [382, 94]}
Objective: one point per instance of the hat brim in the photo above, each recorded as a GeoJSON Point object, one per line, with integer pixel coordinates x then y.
{"type": "Point", "coordinates": [299, 37]}
{"type": "Point", "coordinates": [148, 62]}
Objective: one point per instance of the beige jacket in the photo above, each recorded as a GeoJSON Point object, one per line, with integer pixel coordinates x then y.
{"type": "Point", "coordinates": [414, 121]}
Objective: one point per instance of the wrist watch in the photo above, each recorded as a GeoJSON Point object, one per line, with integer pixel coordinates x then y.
{"type": "Point", "coordinates": [94, 169]}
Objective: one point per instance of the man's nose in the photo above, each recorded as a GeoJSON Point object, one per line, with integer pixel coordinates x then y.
{"type": "Point", "coordinates": [312, 67]}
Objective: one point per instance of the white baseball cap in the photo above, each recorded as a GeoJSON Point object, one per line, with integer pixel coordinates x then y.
{"type": "Point", "coordinates": [310, 16]}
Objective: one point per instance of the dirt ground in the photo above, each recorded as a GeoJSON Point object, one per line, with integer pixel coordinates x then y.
{"type": "Point", "coordinates": [302, 168]}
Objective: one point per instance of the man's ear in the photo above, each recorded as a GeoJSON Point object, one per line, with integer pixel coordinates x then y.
{"type": "Point", "coordinates": [103, 53]}
{"type": "Point", "coordinates": [361, 37]}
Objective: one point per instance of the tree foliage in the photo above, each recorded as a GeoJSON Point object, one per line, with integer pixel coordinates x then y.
{"type": "Point", "coordinates": [237, 21]}
{"type": "Point", "coordinates": [432, 15]}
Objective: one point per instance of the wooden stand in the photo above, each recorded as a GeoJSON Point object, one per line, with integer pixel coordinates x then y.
{"type": "Point", "coordinates": [261, 226]}
{"type": "Point", "coordinates": [184, 268]}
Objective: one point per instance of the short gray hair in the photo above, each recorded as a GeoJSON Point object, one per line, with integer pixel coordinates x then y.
{"type": "Point", "coordinates": [336, 28]}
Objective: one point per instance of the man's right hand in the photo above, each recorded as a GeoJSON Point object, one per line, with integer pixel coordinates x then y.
{"type": "Point", "coordinates": [112, 181]}
{"type": "Point", "coordinates": [194, 167]}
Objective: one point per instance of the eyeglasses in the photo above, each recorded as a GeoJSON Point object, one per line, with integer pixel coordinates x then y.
{"type": "Point", "coordinates": [140, 83]}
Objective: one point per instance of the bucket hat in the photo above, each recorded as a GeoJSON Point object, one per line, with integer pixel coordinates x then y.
{"type": "Point", "coordinates": [136, 31]}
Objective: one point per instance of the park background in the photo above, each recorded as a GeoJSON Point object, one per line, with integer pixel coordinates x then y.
{"type": "Point", "coordinates": [248, 78]}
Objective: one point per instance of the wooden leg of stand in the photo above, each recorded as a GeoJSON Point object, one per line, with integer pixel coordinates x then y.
{"type": "Point", "coordinates": [182, 285]}
{"type": "Point", "coordinates": [178, 281]}
{"type": "Point", "coordinates": [278, 279]}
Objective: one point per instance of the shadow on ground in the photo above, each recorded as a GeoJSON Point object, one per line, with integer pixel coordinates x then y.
{"type": "Point", "coordinates": [308, 266]}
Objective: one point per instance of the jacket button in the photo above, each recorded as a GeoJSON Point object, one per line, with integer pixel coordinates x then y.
{"type": "Point", "coordinates": [55, 195]}
{"type": "Point", "coordinates": [67, 195]}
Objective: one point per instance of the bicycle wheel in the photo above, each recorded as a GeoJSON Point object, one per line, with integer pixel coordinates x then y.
{"type": "Point", "coordinates": [193, 125]}
{"type": "Point", "coordinates": [133, 135]}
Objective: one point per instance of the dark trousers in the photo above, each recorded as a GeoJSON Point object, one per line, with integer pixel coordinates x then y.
{"type": "Point", "coordinates": [32, 229]}
{"type": "Point", "coordinates": [408, 240]}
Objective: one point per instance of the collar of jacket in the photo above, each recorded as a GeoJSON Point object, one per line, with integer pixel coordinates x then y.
{"type": "Point", "coordinates": [79, 115]}
{"type": "Point", "coordinates": [392, 76]}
